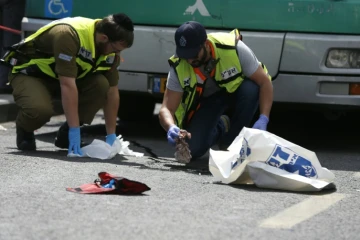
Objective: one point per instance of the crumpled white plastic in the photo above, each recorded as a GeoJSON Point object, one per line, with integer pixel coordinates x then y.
{"type": "Point", "coordinates": [268, 161]}
{"type": "Point", "coordinates": [101, 150]}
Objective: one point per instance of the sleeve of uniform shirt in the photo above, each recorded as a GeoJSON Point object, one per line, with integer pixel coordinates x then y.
{"type": "Point", "coordinates": [249, 62]}
{"type": "Point", "coordinates": [172, 82]}
{"type": "Point", "coordinates": [113, 74]}
{"type": "Point", "coordinates": [65, 46]}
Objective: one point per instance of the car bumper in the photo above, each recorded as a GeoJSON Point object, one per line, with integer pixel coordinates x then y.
{"type": "Point", "coordinates": [315, 89]}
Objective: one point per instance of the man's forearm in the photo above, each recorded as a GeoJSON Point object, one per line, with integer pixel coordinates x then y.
{"type": "Point", "coordinates": [266, 99]}
{"type": "Point", "coordinates": [69, 98]}
{"type": "Point", "coordinates": [166, 118]}
{"type": "Point", "coordinates": [111, 108]}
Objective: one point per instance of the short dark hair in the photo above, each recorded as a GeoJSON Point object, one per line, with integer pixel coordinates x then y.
{"type": "Point", "coordinates": [117, 27]}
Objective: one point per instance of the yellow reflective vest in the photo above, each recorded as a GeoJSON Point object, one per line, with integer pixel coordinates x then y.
{"type": "Point", "coordinates": [228, 74]}
{"type": "Point", "coordinates": [45, 64]}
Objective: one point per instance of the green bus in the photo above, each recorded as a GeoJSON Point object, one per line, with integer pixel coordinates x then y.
{"type": "Point", "coordinates": [310, 47]}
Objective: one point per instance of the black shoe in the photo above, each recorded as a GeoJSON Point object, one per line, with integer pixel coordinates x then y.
{"type": "Point", "coordinates": [25, 141]}
{"type": "Point", "coordinates": [62, 137]}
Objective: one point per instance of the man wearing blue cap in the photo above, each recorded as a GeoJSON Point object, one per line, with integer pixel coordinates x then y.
{"type": "Point", "coordinates": [210, 74]}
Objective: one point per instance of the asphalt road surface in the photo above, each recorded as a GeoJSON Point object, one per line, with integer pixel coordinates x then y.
{"type": "Point", "coordinates": [184, 202]}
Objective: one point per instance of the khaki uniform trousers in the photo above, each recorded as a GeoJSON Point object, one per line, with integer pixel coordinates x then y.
{"type": "Point", "coordinates": [34, 97]}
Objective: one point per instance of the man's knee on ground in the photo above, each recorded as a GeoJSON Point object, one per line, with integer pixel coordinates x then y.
{"type": "Point", "coordinates": [34, 117]}
{"type": "Point", "coordinates": [39, 111]}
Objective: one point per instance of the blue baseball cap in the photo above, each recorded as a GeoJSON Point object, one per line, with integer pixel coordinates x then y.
{"type": "Point", "coordinates": [189, 38]}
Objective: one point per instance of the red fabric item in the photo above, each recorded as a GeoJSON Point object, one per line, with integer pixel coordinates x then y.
{"type": "Point", "coordinates": [122, 186]}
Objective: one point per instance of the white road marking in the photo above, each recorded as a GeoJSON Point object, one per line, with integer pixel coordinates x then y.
{"type": "Point", "coordinates": [357, 175]}
{"type": "Point", "coordinates": [301, 211]}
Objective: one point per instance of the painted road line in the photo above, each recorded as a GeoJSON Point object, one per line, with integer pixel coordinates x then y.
{"type": "Point", "coordinates": [357, 175]}
{"type": "Point", "coordinates": [301, 211]}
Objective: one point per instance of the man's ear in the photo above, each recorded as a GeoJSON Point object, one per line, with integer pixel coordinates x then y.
{"type": "Point", "coordinates": [207, 44]}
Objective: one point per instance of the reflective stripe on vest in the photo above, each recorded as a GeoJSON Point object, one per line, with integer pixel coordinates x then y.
{"type": "Point", "coordinates": [85, 29]}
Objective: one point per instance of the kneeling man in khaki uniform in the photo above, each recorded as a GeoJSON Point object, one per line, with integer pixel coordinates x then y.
{"type": "Point", "coordinates": [75, 59]}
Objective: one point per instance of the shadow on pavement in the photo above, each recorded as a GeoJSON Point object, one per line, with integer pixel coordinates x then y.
{"type": "Point", "coordinates": [254, 188]}
{"type": "Point", "coordinates": [311, 130]}
{"type": "Point", "coordinates": [133, 130]}
{"type": "Point", "coordinates": [62, 155]}
{"type": "Point", "coordinates": [149, 164]}
{"type": "Point", "coordinates": [199, 166]}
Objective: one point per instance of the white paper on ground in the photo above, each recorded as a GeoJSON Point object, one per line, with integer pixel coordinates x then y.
{"type": "Point", "coordinates": [269, 161]}
{"type": "Point", "coordinates": [101, 150]}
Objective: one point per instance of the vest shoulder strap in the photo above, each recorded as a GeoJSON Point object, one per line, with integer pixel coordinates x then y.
{"type": "Point", "coordinates": [174, 62]}
{"type": "Point", "coordinates": [237, 37]}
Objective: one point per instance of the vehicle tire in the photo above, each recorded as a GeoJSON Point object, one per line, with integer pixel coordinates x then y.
{"type": "Point", "coordinates": [135, 107]}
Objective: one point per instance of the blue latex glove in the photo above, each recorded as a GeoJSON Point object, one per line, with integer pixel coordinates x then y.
{"type": "Point", "coordinates": [172, 134]}
{"type": "Point", "coordinates": [261, 123]}
{"type": "Point", "coordinates": [110, 184]}
{"type": "Point", "coordinates": [74, 141]}
{"type": "Point", "coordinates": [110, 139]}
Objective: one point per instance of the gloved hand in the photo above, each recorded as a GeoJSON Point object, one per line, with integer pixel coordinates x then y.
{"type": "Point", "coordinates": [172, 134]}
{"type": "Point", "coordinates": [261, 123]}
{"type": "Point", "coordinates": [110, 139]}
{"type": "Point", "coordinates": [74, 141]}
